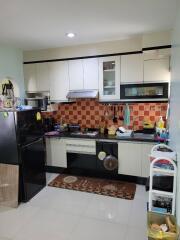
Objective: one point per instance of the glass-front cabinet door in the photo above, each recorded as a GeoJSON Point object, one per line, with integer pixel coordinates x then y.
{"type": "Point", "coordinates": [109, 78]}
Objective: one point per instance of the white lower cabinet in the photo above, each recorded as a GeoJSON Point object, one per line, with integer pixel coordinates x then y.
{"type": "Point", "coordinates": [145, 163]}
{"type": "Point", "coordinates": [133, 158]}
{"type": "Point", "coordinates": [56, 152]}
{"type": "Point", "coordinates": [129, 158]}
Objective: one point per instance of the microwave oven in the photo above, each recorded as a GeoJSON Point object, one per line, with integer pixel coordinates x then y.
{"type": "Point", "coordinates": [37, 102]}
{"type": "Point", "coordinates": [144, 91]}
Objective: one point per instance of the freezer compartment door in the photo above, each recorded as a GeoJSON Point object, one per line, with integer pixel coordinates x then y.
{"type": "Point", "coordinates": [32, 169]}
{"type": "Point", "coordinates": [29, 126]}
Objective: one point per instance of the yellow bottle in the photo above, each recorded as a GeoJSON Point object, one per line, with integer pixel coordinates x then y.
{"type": "Point", "coordinates": [160, 123]}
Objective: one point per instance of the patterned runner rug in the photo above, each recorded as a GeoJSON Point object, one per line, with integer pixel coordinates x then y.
{"type": "Point", "coordinates": [112, 188]}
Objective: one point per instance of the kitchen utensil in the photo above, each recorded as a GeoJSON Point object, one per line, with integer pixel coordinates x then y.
{"type": "Point", "coordinates": [121, 114]}
{"type": "Point", "coordinates": [127, 115]}
{"type": "Point", "coordinates": [110, 163]}
{"type": "Point", "coordinates": [110, 112]}
{"type": "Point", "coordinates": [114, 117]}
{"type": "Point", "coordinates": [106, 114]}
{"type": "Point", "coordinates": [101, 155]}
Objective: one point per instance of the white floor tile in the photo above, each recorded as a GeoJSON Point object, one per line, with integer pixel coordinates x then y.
{"type": "Point", "coordinates": [136, 233]}
{"type": "Point", "coordinates": [13, 219]}
{"type": "Point", "coordinates": [140, 192]}
{"type": "Point", "coordinates": [89, 229]}
{"type": "Point", "coordinates": [4, 238]}
{"type": "Point", "coordinates": [60, 214]}
{"type": "Point", "coordinates": [48, 224]}
{"type": "Point", "coordinates": [139, 213]}
{"type": "Point", "coordinates": [110, 209]}
{"type": "Point", "coordinates": [67, 201]}
{"type": "Point", "coordinates": [50, 177]}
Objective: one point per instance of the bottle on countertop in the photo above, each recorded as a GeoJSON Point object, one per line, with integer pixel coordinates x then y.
{"type": "Point", "coordinates": [160, 123]}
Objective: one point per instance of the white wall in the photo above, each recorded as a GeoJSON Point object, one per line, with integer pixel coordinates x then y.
{"type": "Point", "coordinates": [125, 45]}
{"type": "Point", "coordinates": [175, 99]}
{"type": "Point", "coordinates": [156, 39]}
{"type": "Point", "coordinates": [11, 65]}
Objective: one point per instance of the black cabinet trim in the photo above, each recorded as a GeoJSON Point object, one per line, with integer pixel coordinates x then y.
{"type": "Point", "coordinates": [77, 58]}
{"type": "Point", "coordinates": [98, 56]}
{"type": "Point", "coordinates": [156, 48]}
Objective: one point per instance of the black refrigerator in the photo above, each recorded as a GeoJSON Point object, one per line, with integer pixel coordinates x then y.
{"type": "Point", "coordinates": [22, 144]}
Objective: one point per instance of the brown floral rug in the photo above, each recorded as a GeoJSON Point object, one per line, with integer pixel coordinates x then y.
{"type": "Point", "coordinates": [112, 188]}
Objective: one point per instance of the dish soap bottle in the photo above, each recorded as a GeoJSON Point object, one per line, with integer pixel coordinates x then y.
{"type": "Point", "coordinates": [160, 123]}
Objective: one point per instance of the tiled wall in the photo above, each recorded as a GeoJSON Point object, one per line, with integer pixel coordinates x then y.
{"type": "Point", "coordinates": [92, 114]}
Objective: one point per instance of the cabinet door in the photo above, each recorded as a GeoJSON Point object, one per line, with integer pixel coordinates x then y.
{"type": "Point", "coordinates": [59, 80]}
{"type": "Point", "coordinates": [91, 77]}
{"type": "Point", "coordinates": [76, 78]}
{"type": "Point", "coordinates": [109, 78]}
{"type": "Point", "coordinates": [145, 164]}
{"type": "Point", "coordinates": [132, 68]}
{"type": "Point", "coordinates": [43, 82]}
{"type": "Point", "coordinates": [56, 152]}
{"type": "Point", "coordinates": [30, 77]}
{"type": "Point", "coordinates": [157, 70]}
{"type": "Point", "coordinates": [129, 158]}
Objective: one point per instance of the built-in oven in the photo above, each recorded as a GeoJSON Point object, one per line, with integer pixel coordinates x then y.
{"type": "Point", "coordinates": [144, 91]}
{"type": "Point", "coordinates": [100, 156]}
{"type": "Point", "coordinates": [81, 154]}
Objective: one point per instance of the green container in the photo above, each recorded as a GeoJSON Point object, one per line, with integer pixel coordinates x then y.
{"type": "Point", "coordinates": [160, 219]}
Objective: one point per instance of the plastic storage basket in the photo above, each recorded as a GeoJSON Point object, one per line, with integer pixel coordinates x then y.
{"type": "Point", "coordinates": [160, 219]}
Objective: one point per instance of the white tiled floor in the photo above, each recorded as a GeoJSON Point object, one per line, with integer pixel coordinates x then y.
{"type": "Point", "coordinates": [58, 214]}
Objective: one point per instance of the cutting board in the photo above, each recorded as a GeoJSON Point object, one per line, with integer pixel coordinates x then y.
{"type": "Point", "coordinates": [9, 182]}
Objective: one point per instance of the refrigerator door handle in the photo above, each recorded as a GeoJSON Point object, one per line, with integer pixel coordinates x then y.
{"type": "Point", "coordinates": [29, 144]}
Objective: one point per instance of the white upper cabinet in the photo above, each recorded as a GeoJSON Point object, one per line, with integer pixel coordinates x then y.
{"type": "Point", "coordinates": [76, 76]}
{"type": "Point", "coordinates": [157, 70]}
{"type": "Point", "coordinates": [59, 80]}
{"type": "Point", "coordinates": [83, 74]}
{"type": "Point", "coordinates": [30, 77]}
{"type": "Point", "coordinates": [36, 77]}
{"type": "Point", "coordinates": [109, 78]}
{"type": "Point", "coordinates": [132, 68]}
{"type": "Point", "coordinates": [91, 77]}
{"type": "Point", "coordinates": [42, 71]}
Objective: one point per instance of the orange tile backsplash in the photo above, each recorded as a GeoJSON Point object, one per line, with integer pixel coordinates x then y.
{"type": "Point", "coordinates": [92, 114]}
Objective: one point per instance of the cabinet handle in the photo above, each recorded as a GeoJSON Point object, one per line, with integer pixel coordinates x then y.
{"type": "Point", "coordinates": [75, 145]}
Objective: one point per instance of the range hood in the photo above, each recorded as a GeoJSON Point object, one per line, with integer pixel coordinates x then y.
{"type": "Point", "coordinates": [82, 94]}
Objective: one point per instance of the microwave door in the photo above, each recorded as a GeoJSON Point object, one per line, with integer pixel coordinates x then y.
{"type": "Point", "coordinates": [144, 91]}
{"type": "Point", "coordinates": [33, 103]}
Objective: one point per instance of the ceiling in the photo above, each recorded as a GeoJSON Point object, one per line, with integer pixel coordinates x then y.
{"type": "Point", "coordinates": [38, 24]}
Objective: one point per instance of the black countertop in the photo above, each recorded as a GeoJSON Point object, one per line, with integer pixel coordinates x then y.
{"type": "Point", "coordinates": [136, 137]}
